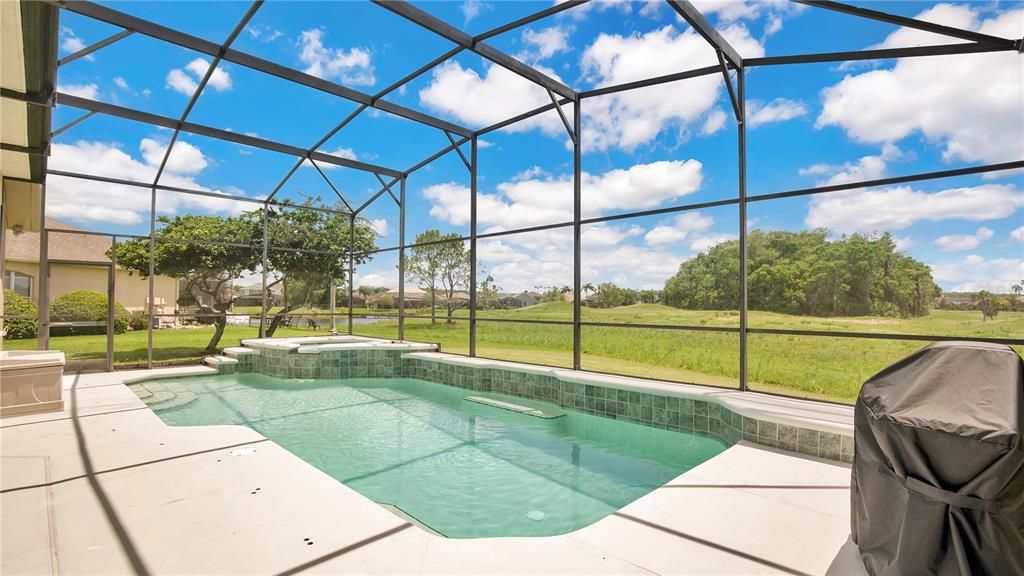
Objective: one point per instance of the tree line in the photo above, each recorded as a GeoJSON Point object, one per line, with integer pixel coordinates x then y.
{"type": "Point", "coordinates": [807, 273]}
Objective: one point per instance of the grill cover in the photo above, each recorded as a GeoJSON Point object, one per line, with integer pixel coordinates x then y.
{"type": "Point", "coordinates": [938, 470]}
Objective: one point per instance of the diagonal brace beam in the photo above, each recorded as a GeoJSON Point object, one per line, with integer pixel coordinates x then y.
{"type": "Point", "coordinates": [561, 114]}
{"type": "Point", "coordinates": [728, 84]}
{"type": "Point", "coordinates": [459, 150]}
{"type": "Point", "coordinates": [90, 49]}
{"type": "Point", "coordinates": [331, 184]}
{"type": "Point", "coordinates": [694, 17]}
{"type": "Point", "coordinates": [388, 188]}
{"type": "Point", "coordinates": [445, 30]}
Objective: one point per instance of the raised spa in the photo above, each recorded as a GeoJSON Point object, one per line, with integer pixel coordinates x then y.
{"type": "Point", "coordinates": [464, 468]}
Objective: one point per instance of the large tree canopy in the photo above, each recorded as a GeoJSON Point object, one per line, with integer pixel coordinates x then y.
{"type": "Point", "coordinates": [307, 249]}
{"type": "Point", "coordinates": [807, 273]}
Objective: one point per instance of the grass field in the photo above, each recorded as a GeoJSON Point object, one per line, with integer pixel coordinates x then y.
{"type": "Point", "coordinates": [830, 368]}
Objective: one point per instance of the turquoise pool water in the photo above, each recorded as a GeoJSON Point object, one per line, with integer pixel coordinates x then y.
{"type": "Point", "coordinates": [464, 469]}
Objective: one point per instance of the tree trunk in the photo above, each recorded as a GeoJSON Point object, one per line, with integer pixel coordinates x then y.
{"type": "Point", "coordinates": [433, 306]}
{"type": "Point", "coordinates": [451, 310]}
{"type": "Point", "coordinates": [218, 332]}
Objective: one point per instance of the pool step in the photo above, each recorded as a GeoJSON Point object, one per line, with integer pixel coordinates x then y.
{"type": "Point", "coordinates": [236, 351]}
{"type": "Point", "coordinates": [538, 409]}
{"type": "Point", "coordinates": [218, 361]}
{"type": "Point", "coordinates": [407, 517]}
{"type": "Point", "coordinates": [160, 396]}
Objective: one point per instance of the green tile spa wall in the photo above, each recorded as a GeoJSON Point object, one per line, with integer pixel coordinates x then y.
{"type": "Point", "coordinates": [669, 412]}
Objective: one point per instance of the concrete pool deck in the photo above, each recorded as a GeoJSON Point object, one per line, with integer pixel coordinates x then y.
{"type": "Point", "coordinates": [105, 487]}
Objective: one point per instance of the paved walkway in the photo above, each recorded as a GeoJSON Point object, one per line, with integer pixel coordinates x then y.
{"type": "Point", "coordinates": [105, 487]}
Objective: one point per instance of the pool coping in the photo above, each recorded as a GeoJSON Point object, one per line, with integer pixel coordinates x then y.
{"type": "Point", "coordinates": [747, 510]}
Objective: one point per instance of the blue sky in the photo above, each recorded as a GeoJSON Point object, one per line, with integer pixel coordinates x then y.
{"type": "Point", "coordinates": [661, 146]}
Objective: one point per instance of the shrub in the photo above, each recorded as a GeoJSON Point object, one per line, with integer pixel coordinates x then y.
{"type": "Point", "coordinates": [84, 306]}
{"type": "Point", "coordinates": [138, 321]}
{"type": "Point", "coordinates": [17, 305]}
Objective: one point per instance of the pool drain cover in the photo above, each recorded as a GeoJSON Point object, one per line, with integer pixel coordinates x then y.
{"type": "Point", "coordinates": [535, 515]}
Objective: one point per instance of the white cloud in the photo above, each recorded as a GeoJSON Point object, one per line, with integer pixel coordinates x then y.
{"type": "Point", "coordinates": [184, 159]}
{"type": "Point", "coordinates": [121, 83]}
{"type": "Point", "coordinates": [545, 43]}
{"type": "Point", "coordinates": [904, 243]}
{"type": "Point", "coordinates": [1018, 234]}
{"type": "Point", "coordinates": [960, 242]}
{"type": "Point", "coordinates": [974, 273]}
{"type": "Point", "coordinates": [702, 243]}
{"type": "Point", "coordinates": [968, 103]}
{"type": "Point", "coordinates": [352, 67]}
{"type": "Point", "coordinates": [380, 226]}
{"type": "Point", "coordinates": [471, 9]}
{"type": "Point", "coordinates": [496, 96]}
{"type": "Point", "coordinates": [897, 208]}
{"type": "Point", "coordinates": [629, 119]}
{"type": "Point", "coordinates": [263, 33]}
{"type": "Point", "coordinates": [71, 43]}
{"type": "Point", "coordinates": [870, 167]}
{"type": "Point", "coordinates": [682, 226]}
{"type": "Point", "coordinates": [220, 80]}
{"type": "Point", "coordinates": [548, 199]}
{"type": "Point", "coordinates": [778, 110]}
{"type": "Point", "coordinates": [78, 199]}
{"type": "Point", "coordinates": [180, 81]}
{"type": "Point", "coordinates": [383, 278]}
{"type": "Point", "coordinates": [90, 91]}
{"type": "Point", "coordinates": [714, 122]}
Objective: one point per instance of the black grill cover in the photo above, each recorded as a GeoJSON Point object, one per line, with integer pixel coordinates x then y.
{"type": "Point", "coordinates": [938, 470]}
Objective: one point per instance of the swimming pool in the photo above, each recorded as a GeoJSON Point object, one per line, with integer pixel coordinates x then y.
{"type": "Point", "coordinates": [459, 467]}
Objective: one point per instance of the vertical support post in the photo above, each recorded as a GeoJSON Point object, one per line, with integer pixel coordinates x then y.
{"type": "Point", "coordinates": [43, 297]}
{"type": "Point", "coordinates": [263, 265]}
{"type": "Point", "coordinates": [576, 237]}
{"type": "Point", "coordinates": [472, 248]}
{"type": "Point", "coordinates": [351, 267]}
{"type": "Point", "coordinates": [152, 279]}
{"type": "Point", "coordinates": [111, 291]}
{"type": "Point", "coordinates": [401, 261]}
{"type": "Point", "coordinates": [741, 130]}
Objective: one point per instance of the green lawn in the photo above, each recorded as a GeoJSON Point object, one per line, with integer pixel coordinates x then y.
{"type": "Point", "coordinates": [170, 345]}
{"type": "Point", "coordinates": [821, 367]}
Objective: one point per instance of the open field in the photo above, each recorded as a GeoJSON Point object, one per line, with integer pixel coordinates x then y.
{"type": "Point", "coordinates": [831, 368]}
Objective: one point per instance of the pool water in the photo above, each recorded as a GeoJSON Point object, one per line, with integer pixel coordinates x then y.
{"type": "Point", "coordinates": [462, 468]}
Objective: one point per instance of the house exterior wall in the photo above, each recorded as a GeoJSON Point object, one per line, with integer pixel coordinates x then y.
{"type": "Point", "coordinates": [131, 291]}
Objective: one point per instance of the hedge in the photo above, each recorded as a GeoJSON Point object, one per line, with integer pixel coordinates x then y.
{"type": "Point", "coordinates": [17, 305]}
{"type": "Point", "coordinates": [84, 306]}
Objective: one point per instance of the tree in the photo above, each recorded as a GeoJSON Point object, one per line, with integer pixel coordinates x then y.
{"type": "Point", "coordinates": [807, 273]}
{"type": "Point", "coordinates": [987, 305]}
{"type": "Point", "coordinates": [206, 252]}
{"type": "Point", "coordinates": [587, 289]}
{"type": "Point", "coordinates": [440, 262]}
{"type": "Point", "coordinates": [488, 293]}
{"type": "Point", "coordinates": [309, 250]}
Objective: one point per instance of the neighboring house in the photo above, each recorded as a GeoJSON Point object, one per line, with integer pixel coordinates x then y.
{"type": "Point", "coordinates": [521, 299]}
{"type": "Point", "coordinates": [414, 298]}
{"type": "Point", "coordinates": [252, 295]}
{"type": "Point", "coordinates": [78, 262]}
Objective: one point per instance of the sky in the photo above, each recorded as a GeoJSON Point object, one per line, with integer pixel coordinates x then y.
{"type": "Point", "coordinates": [673, 144]}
